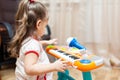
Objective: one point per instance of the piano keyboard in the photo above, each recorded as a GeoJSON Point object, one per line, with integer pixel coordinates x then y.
{"type": "Point", "coordinates": [64, 55]}
{"type": "Point", "coordinates": [80, 62]}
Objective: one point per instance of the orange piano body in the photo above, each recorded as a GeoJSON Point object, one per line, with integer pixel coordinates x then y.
{"type": "Point", "coordinates": [79, 59]}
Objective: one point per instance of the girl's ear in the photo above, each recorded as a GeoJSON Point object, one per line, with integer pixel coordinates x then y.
{"type": "Point", "coordinates": [38, 24]}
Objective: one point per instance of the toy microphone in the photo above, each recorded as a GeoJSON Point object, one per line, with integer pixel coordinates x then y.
{"type": "Point", "coordinates": [72, 42]}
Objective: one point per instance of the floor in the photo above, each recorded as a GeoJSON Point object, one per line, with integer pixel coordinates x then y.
{"type": "Point", "coordinates": [103, 73]}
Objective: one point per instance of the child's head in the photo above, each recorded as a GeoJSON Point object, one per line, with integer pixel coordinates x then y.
{"type": "Point", "coordinates": [28, 15]}
{"type": "Point", "coordinates": [31, 20]}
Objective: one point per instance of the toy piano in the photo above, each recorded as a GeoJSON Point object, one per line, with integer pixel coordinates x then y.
{"type": "Point", "coordinates": [78, 56]}
{"type": "Point", "coordinates": [79, 59]}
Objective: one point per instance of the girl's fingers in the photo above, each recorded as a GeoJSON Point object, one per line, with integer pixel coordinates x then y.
{"type": "Point", "coordinates": [65, 61]}
{"type": "Point", "coordinates": [60, 59]}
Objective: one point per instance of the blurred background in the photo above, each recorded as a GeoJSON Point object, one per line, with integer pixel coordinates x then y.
{"type": "Point", "coordinates": [95, 24]}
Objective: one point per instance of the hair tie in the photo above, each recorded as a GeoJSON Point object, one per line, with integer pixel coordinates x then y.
{"type": "Point", "coordinates": [31, 1]}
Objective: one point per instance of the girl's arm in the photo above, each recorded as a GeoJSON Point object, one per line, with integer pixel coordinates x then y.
{"type": "Point", "coordinates": [47, 42]}
{"type": "Point", "coordinates": [34, 68]}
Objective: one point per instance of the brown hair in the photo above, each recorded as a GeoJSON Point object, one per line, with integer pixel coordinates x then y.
{"type": "Point", "coordinates": [26, 17]}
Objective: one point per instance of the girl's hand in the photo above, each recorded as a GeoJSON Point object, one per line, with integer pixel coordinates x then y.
{"type": "Point", "coordinates": [60, 65]}
{"type": "Point", "coordinates": [52, 41]}
{"type": "Point", "coordinates": [48, 42]}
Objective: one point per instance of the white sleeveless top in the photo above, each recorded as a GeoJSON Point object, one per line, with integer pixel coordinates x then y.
{"type": "Point", "coordinates": [31, 45]}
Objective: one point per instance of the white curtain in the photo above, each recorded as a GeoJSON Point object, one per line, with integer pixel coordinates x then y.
{"type": "Point", "coordinates": [95, 23]}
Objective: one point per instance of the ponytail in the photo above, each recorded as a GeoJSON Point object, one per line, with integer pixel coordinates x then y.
{"type": "Point", "coordinates": [26, 17]}
{"type": "Point", "coordinates": [21, 30]}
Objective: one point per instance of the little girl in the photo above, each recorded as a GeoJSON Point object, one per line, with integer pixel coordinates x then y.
{"type": "Point", "coordinates": [32, 61]}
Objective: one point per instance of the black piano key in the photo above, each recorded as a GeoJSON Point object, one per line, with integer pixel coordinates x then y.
{"type": "Point", "coordinates": [63, 52]}
{"type": "Point", "coordinates": [60, 51]}
{"type": "Point", "coordinates": [67, 54]}
{"type": "Point", "coordinates": [73, 57]}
